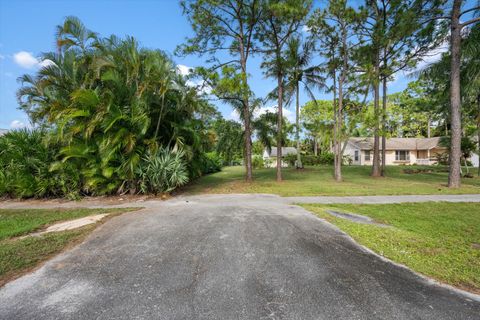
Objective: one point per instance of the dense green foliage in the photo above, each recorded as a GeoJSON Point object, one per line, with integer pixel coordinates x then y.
{"type": "Point", "coordinates": [104, 104]}
{"type": "Point", "coordinates": [325, 158]}
{"type": "Point", "coordinates": [25, 167]}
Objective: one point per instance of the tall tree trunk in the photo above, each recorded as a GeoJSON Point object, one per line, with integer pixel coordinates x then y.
{"type": "Point", "coordinates": [297, 122]}
{"type": "Point", "coordinates": [315, 146]}
{"type": "Point", "coordinates": [454, 174]}
{"type": "Point", "coordinates": [335, 125]}
{"type": "Point", "coordinates": [429, 124]}
{"type": "Point", "coordinates": [338, 147]}
{"type": "Point", "coordinates": [478, 133]}
{"type": "Point", "coordinates": [384, 125]}
{"type": "Point", "coordinates": [248, 144]}
{"type": "Point", "coordinates": [279, 127]}
{"type": "Point", "coordinates": [246, 117]}
{"type": "Point", "coordinates": [376, 107]}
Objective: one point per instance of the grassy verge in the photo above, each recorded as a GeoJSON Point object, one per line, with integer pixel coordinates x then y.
{"type": "Point", "coordinates": [19, 255]}
{"type": "Point", "coordinates": [319, 181]}
{"type": "Point", "coordinates": [437, 239]}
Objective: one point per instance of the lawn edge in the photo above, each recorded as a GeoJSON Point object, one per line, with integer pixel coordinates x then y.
{"type": "Point", "coordinates": [428, 280]}
{"type": "Point", "coordinates": [82, 238]}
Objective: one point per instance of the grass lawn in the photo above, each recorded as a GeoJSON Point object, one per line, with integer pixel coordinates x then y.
{"type": "Point", "coordinates": [438, 239]}
{"type": "Point", "coordinates": [18, 255]}
{"type": "Point", "coordinates": [314, 181]}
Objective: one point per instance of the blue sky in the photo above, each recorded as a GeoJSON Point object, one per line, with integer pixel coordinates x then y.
{"type": "Point", "coordinates": [27, 29]}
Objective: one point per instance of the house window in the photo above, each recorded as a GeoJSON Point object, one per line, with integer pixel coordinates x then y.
{"type": "Point", "coordinates": [402, 155]}
{"type": "Point", "coordinates": [367, 155]}
{"type": "Point", "coordinates": [356, 155]}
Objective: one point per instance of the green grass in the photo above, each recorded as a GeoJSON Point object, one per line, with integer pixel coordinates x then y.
{"type": "Point", "coordinates": [318, 180]}
{"type": "Point", "coordinates": [18, 255]}
{"type": "Point", "coordinates": [437, 239]}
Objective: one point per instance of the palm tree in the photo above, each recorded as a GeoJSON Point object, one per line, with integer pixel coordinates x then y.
{"type": "Point", "coordinates": [108, 102]}
{"type": "Point", "coordinates": [300, 73]}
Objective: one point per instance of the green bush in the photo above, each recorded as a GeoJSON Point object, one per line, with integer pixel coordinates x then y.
{"type": "Point", "coordinates": [162, 172]}
{"type": "Point", "coordinates": [257, 162]}
{"type": "Point", "coordinates": [26, 167]}
{"type": "Point", "coordinates": [324, 158]}
{"type": "Point", "coordinates": [204, 163]}
{"type": "Point", "coordinates": [291, 159]}
{"type": "Point", "coordinates": [213, 163]}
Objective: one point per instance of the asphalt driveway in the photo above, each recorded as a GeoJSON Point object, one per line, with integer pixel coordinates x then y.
{"type": "Point", "coordinates": [225, 257]}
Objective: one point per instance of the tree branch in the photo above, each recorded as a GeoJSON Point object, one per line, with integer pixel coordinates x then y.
{"type": "Point", "coordinates": [466, 23]}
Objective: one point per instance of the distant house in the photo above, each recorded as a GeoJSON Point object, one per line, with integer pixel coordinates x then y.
{"type": "Point", "coordinates": [270, 156]}
{"type": "Point", "coordinates": [475, 159]}
{"type": "Point", "coordinates": [422, 151]}
{"type": "Point", "coordinates": [476, 154]}
{"type": "Point", "coordinates": [3, 131]}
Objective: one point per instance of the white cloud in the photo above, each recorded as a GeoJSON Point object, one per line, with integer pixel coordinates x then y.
{"type": "Point", "coordinates": [2, 57]}
{"type": "Point", "coordinates": [183, 69]}
{"type": "Point", "coordinates": [17, 124]}
{"type": "Point", "coordinates": [286, 112]}
{"type": "Point", "coordinates": [290, 115]}
{"type": "Point", "coordinates": [26, 60]}
{"type": "Point", "coordinates": [234, 116]}
{"type": "Point", "coordinates": [200, 85]}
{"type": "Point", "coordinates": [433, 56]}
{"type": "Point", "coordinates": [305, 29]}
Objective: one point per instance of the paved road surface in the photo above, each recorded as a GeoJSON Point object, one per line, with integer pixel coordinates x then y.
{"type": "Point", "coordinates": [225, 257]}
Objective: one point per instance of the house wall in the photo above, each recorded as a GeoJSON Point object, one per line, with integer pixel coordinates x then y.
{"type": "Point", "coordinates": [389, 157]}
{"type": "Point", "coordinates": [350, 151]}
{"type": "Point", "coordinates": [474, 159]}
{"type": "Point", "coordinates": [272, 163]}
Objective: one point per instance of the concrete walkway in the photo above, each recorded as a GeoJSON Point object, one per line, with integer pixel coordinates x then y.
{"type": "Point", "coordinates": [386, 199]}
{"type": "Point", "coordinates": [153, 203]}
{"type": "Point", "coordinates": [225, 257]}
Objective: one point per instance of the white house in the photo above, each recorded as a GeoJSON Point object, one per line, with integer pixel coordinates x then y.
{"type": "Point", "coordinates": [270, 156]}
{"type": "Point", "coordinates": [474, 159]}
{"type": "Point", "coordinates": [422, 151]}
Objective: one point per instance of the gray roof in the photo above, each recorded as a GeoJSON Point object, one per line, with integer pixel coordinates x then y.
{"type": "Point", "coordinates": [285, 151]}
{"type": "Point", "coordinates": [3, 131]}
{"type": "Point", "coordinates": [365, 143]}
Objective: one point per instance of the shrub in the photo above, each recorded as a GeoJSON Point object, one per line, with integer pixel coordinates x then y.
{"type": "Point", "coordinates": [204, 163]}
{"type": "Point", "coordinates": [323, 158]}
{"type": "Point", "coordinates": [346, 159]}
{"type": "Point", "coordinates": [162, 171]}
{"type": "Point", "coordinates": [214, 163]}
{"type": "Point", "coordinates": [441, 158]}
{"type": "Point", "coordinates": [291, 159]}
{"type": "Point", "coordinates": [257, 161]}
{"type": "Point", "coordinates": [26, 167]}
